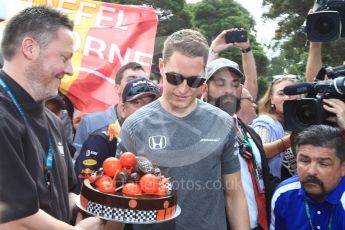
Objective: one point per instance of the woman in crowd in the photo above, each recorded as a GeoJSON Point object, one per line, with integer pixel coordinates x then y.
{"type": "Point", "coordinates": [270, 125]}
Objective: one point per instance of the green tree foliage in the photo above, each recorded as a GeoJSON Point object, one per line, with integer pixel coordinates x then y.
{"type": "Point", "coordinates": [213, 16]}
{"type": "Point", "coordinates": [290, 15]}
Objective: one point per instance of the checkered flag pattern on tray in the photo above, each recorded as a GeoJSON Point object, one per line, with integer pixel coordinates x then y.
{"type": "Point", "coordinates": [128, 215]}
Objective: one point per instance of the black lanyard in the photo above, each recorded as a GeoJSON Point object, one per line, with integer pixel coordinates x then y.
{"type": "Point", "coordinates": [50, 157]}
{"type": "Point", "coordinates": [307, 209]}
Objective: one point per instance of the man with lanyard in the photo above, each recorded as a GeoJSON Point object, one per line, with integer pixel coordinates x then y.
{"type": "Point", "coordinates": [36, 172]}
{"type": "Point", "coordinates": [102, 143]}
{"type": "Point", "coordinates": [315, 199]}
{"type": "Point", "coordinates": [223, 78]}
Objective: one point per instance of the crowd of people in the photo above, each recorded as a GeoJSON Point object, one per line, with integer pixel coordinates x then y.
{"type": "Point", "coordinates": [205, 109]}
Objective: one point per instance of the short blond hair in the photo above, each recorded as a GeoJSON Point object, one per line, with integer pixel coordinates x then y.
{"type": "Point", "coordinates": [188, 42]}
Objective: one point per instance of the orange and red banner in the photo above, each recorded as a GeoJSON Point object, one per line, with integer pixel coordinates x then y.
{"type": "Point", "coordinates": [107, 36]}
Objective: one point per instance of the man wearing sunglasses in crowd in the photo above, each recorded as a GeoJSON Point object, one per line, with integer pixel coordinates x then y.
{"type": "Point", "coordinates": [97, 120]}
{"type": "Point", "coordinates": [102, 143]}
{"type": "Point", "coordinates": [191, 141]}
{"type": "Point", "coordinates": [224, 78]}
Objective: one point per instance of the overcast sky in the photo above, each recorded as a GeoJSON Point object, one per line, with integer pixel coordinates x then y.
{"type": "Point", "coordinates": [265, 30]}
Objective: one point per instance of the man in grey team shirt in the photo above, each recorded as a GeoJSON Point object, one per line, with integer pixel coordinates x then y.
{"type": "Point", "coordinates": [191, 141]}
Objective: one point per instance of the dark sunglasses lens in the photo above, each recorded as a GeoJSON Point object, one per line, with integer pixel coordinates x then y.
{"type": "Point", "coordinates": [176, 79]}
{"type": "Point", "coordinates": [195, 82]}
{"type": "Point", "coordinates": [173, 78]}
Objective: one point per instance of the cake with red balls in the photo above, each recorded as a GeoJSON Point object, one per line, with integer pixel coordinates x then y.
{"type": "Point", "coordinates": [131, 190]}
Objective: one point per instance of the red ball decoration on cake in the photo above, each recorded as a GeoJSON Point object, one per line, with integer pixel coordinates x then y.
{"type": "Point", "coordinates": [102, 179]}
{"type": "Point", "coordinates": [111, 165]}
{"type": "Point", "coordinates": [131, 189]}
{"type": "Point", "coordinates": [149, 183]}
{"type": "Point", "coordinates": [162, 190]}
{"type": "Point", "coordinates": [128, 159]}
{"type": "Point", "coordinates": [106, 186]}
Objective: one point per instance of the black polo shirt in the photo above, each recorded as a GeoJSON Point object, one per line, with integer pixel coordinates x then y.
{"type": "Point", "coordinates": [23, 153]}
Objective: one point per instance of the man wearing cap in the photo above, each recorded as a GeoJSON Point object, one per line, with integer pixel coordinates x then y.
{"type": "Point", "coordinates": [97, 120]}
{"type": "Point", "coordinates": [224, 79]}
{"type": "Point", "coordinates": [102, 143]}
{"type": "Point", "coordinates": [248, 61]}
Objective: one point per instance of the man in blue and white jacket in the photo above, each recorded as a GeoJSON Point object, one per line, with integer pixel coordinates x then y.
{"type": "Point", "coordinates": [315, 199]}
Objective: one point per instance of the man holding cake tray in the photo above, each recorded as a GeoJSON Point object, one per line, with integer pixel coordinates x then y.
{"type": "Point", "coordinates": [192, 142]}
{"type": "Point", "coordinates": [36, 172]}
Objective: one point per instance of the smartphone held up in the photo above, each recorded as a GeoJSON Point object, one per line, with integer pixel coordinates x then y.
{"type": "Point", "coordinates": [236, 36]}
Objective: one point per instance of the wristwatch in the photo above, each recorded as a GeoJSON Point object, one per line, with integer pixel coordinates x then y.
{"type": "Point", "coordinates": [246, 50]}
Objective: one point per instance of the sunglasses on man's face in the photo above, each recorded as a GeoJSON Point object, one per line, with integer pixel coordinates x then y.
{"type": "Point", "coordinates": [177, 79]}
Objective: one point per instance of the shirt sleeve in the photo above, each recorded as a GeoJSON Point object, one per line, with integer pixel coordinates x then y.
{"type": "Point", "coordinates": [277, 220]}
{"type": "Point", "coordinates": [264, 133]}
{"type": "Point", "coordinates": [230, 161]}
{"type": "Point", "coordinates": [18, 191]}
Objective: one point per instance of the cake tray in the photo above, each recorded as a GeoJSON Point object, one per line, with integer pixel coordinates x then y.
{"type": "Point", "coordinates": [176, 214]}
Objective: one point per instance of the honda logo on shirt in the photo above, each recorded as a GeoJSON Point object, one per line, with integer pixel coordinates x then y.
{"type": "Point", "coordinates": [157, 142]}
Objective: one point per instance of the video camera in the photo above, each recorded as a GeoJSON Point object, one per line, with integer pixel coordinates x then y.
{"type": "Point", "coordinates": [327, 22]}
{"type": "Point", "coordinates": [301, 113]}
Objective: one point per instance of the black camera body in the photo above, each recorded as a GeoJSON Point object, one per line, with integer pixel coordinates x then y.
{"type": "Point", "coordinates": [300, 114]}
{"type": "Point", "coordinates": [327, 22]}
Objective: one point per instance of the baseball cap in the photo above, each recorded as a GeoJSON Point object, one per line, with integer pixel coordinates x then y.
{"type": "Point", "coordinates": [221, 63]}
{"type": "Point", "coordinates": [138, 88]}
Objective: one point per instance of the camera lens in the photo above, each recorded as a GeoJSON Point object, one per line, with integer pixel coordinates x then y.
{"type": "Point", "coordinates": [324, 25]}
{"type": "Point", "coordinates": [339, 85]}
{"type": "Point", "coordinates": [305, 113]}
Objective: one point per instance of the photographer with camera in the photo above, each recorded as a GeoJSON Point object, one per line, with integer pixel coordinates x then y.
{"type": "Point", "coordinates": [323, 103]}
{"type": "Point", "coordinates": [270, 125]}
{"type": "Point", "coordinates": [228, 38]}
{"type": "Point", "coordinates": [315, 71]}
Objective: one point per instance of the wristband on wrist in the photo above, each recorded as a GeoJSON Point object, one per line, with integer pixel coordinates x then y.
{"type": "Point", "coordinates": [212, 52]}
{"type": "Point", "coordinates": [246, 50]}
